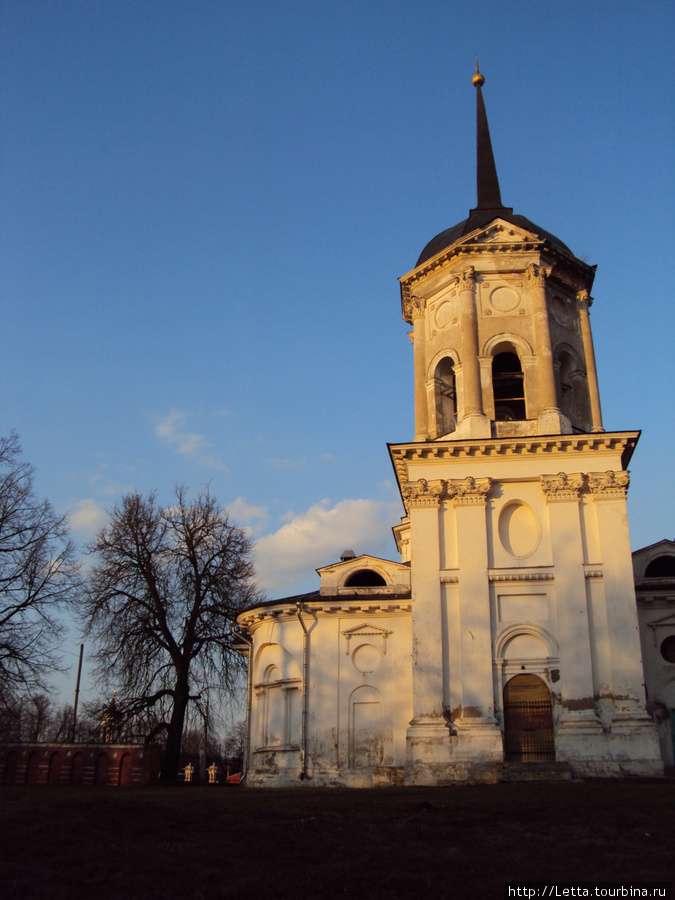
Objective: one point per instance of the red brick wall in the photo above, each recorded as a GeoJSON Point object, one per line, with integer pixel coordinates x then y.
{"type": "Point", "coordinates": [117, 764]}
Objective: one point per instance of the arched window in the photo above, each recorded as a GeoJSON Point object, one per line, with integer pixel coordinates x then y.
{"type": "Point", "coordinates": [508, 387]}
{"type": "Point", "coordinates": [445, 397]}
{"type": "Point", "coordinates": [366, 747]}
{"type": "Point", "coordinates": [573, 396]}
{"type": "Point", "coordinates": [279, 709]}
{"type": "Point", "coordinates": [365, 578]}
{"type": "Point", "coordinates": [661, 567]}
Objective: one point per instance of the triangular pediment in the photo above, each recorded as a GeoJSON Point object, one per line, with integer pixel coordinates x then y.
{"type": "Point", "coordinates": [499, 232]}
{"type": "Point", "coordinates": [366, 630]}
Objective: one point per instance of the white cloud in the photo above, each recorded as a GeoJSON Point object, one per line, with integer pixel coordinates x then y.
{"type": "Point", "coordinates": [246, 514]}
{"type": "Point", "coordinates": [318, 536]}
{"type": "Point", "coordinates": [87, 518]}
{"type": "Point", "coordinates": [172, 431]}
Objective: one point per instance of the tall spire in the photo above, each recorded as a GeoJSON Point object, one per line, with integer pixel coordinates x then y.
{"type": "Point", "coordinates": [487, 182]}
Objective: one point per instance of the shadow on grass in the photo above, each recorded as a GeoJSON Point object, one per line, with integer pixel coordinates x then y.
{"type": "Point", "coordinates": [465, 841]}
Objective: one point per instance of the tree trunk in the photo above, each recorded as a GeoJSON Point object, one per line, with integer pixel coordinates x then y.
{"type": "Point", "coordinates": [174, 736]}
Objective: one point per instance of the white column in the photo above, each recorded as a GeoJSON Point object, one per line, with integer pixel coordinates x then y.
{"type": "Point", "coordinates": [585, 301]}
{"type": "Point", "coordinates": [420, 367]}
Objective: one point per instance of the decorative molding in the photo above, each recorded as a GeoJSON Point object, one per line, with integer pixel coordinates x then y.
{"type": "Point", "coordinates": [584, 299]}
{"type": "Point", "coordinates": [593, 573]}
{"type": "Point", "coordinates": [562, 487]}
{"type": "Point", "coordinates": [537, 275]}
{"type": "Point", "coordinates": [608, 485]}
{"type": "Point", "coordinates": [371, 631]}
{"type": "Point", "coordinates": [255, 617]}
{"type": "Point", "coordinates": [413, 308]}
{"type": "Point", "coordinates": [469, 491]}
{"type": "Point", "coordinates": [449, 579]}
{"type": "Point", "coordinates": [499, 577]}
{"type": "Point", "coordinates": [403, 455]}
{"type": "Point", "coordinates": [422, 493]}
{"type": "Point", "coordinates": [467, 279]}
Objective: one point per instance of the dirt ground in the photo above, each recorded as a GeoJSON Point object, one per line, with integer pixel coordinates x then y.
{"type": "Point", "coordinates": [197, 843]}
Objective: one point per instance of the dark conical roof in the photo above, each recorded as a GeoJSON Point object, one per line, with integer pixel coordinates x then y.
{"type": "Point", "coordinates": [489, 205]}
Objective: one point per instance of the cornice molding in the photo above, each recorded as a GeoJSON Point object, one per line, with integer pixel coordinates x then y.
{"type": "Point", "coordinates": [539, 445]}
{"type": "Point", "coordinates": [251, 619]}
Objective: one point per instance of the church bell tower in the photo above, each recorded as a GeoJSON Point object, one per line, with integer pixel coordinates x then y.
{"type": "Point", "coordinates": [516, 528]}
{"type": "Point", "coordinates": [500, 312]}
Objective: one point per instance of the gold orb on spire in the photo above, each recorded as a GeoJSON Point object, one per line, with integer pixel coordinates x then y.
{"type": "Point", "coordinates": [478, 80]}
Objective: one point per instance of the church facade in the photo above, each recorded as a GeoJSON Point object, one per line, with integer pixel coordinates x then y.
{"type": "Point", "coordinates": [506, 638]}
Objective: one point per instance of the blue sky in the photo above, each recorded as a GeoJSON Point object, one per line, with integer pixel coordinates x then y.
{"type": "Point", "coordinates": [206, 207]}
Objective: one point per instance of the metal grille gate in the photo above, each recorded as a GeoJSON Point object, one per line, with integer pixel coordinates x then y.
{"type": "Point", "coordinates": [528, 721]}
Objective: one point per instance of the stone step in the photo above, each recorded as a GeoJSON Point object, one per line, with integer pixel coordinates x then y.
{"type": "Point", "coordinates": [534, 771]}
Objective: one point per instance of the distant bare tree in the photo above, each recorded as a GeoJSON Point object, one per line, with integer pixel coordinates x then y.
{"type": "Point", "coordinates": [38, 578]}
{"type": "Point", "coordinates": [233, 748]}
{"type": "Point", "coordinates": [36, 719]}
{"type": "Point", "coordinates": [159, 604]}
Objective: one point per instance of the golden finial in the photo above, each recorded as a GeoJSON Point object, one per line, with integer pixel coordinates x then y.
{"type": "Point", "coordinates": [477, 80]}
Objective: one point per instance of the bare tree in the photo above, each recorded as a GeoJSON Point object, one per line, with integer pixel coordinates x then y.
{"type": "Point", "coordinates": [38, 577]}
{"type": "Point", "coordinates": [160, 603]}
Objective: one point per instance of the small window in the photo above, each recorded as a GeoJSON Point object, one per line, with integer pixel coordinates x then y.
{"type": "Point", "coordinates": [668, 649]}
{"type": "Point", "coordinates": [661, 567]}
{"type": "Point", "coordinates": [365, 578]}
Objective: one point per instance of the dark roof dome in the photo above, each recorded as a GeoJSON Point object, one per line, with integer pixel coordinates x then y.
{"type": "Point", "coordinates": [479, 219]}
{"type": "Point", "coordinates": [489, 206]}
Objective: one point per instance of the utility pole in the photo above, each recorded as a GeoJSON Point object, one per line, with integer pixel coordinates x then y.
{"type": "Point", "coordinates": [77, 696]}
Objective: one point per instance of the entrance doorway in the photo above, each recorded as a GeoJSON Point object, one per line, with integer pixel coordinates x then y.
{"type": "Point", "coordinates": [528, 720]}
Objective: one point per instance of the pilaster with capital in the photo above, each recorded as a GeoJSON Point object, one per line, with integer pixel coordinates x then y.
{"type": "Point", "coordinates": [585, 301]}
{"type": "Point", "coordinates": [470, 496]}
{"type": "Point", "coordinates": [577, 685]}
{"type": "Point", "coordinates": [417, 308]}
{"type": "Point", "coordinates": [608, 491]}
{"type": "Point", "coordinates": [548, 400]}
{"type": "Point", "coordinates": [422, 499]}
{"type": "Point", "coordinates": [473, 396]}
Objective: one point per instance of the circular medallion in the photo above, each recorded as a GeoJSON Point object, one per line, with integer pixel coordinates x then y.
{"type": "Point", "coordinates": [504, 299]}
{"type": "Point", "coordinates": [366, 658]}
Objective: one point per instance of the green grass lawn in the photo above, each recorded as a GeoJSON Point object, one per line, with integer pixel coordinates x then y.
{"type": "Point", "coordinates": [200, 842]}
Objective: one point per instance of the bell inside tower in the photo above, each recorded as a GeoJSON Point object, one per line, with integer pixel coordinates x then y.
{"type": "Point", "coordinates": [508, 386]}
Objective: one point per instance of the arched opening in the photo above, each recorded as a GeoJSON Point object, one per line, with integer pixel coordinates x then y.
{"type": "Point", "coordinates": [366, 747]}
{"type": "Point", "coordinates": [661, 567]}
{"type": "Point", "coordinates": [33, 768]}
{"type": "Point", "coordinates": [365, 578]}
{"type": "Point", "coordinates": [77, 769]}
{"type": "Point", "coordinates": [508, 387]}
{"type": "Point", "coordinates": [528, 720]}
{"type": "Point", "coordinates": [126, 771]}
{"type": "Point", "coordinates": [9, 775]}
{"type": "Point", "coordinates": [54, 773]}
{"type": "Point", "coordinates": [101, 772]}
{"type": "Point", "coordinates": [668, 648]}
{"type": "Point", "coordinates": [445, 397]}
{"type": "Point", "coordinates": [566, 387]}
{"type": "Point", "coordinates": [572, 385]}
